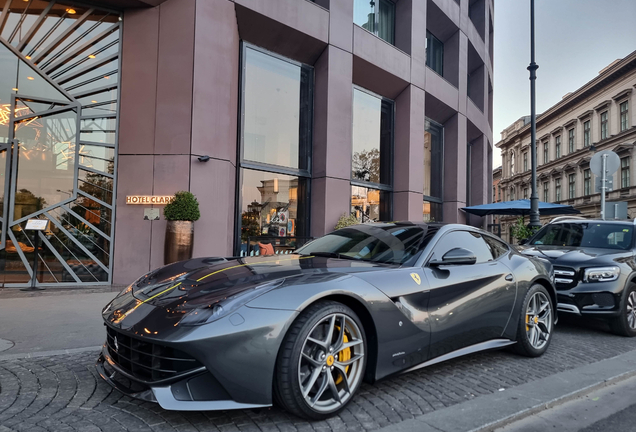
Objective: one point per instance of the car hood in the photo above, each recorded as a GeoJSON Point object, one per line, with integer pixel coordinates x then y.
{"type": "Point", "coordinates": [203, 282]}
{"type": "Point", "coordinates": [575, 257]}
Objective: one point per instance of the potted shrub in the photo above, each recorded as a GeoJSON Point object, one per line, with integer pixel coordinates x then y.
{"type": "Point", "coordinates": [180, 213]}
{"type": "Point", "coordinates": [347, 220]}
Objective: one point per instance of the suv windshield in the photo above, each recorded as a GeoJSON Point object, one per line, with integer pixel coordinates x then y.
{"type": "Point", "coordinates": [393, 244]}
{"type": "Point", "coordinates": [587, 235]}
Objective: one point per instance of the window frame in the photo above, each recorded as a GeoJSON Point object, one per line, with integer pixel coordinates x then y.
{"type": "Point", "coordinates": [571, 141]}
{"type": "Point", "coordinates": [571, 186]}
{"type": "Point", "coordinates": [546, 191]}
{"type": "Point", "coordinates": [557, 189]}
{"type": "Point", "coordinates": [525, 161]}
{"type": "Point", "coordinates": [546, 152]}
{"type": "Point", "coordinates": [603, 119]}
{"type": "Point", "coordinates": [437, 40]}
{"type": "Point", "coordinates": [623, 122]}
{"type": "Point", "coordinates": [243, 164]}
{"type": "Point", "coordinates": [587, 182]}
{"type": "Point", "coordinates": [625, 172]}
{"type": "Point", "coordinates": [557, 146]}
{"type": "Point", "coordinates": [587, 131]}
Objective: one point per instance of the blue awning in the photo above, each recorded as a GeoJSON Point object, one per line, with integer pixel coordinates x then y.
{"type": "Point", "coordinates": [520, 208]}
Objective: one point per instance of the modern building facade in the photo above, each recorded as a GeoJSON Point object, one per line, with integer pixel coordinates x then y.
{"type": "Point", "coordinates": [280, 116]}
{"type": "Point", "coordinates": [598, 116]}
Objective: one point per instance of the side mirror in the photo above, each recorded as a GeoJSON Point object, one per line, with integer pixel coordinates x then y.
{"type": "Point", "coordinates": [457, 256]}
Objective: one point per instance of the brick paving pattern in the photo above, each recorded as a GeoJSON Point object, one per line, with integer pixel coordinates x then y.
{"type": "Point", "coordinates": [64, 392]}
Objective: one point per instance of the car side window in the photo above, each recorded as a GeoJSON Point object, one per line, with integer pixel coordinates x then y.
{"type": "Point", "coordinates": [472, 241]}
{"type": "Point", "coordinates": [497, 247]}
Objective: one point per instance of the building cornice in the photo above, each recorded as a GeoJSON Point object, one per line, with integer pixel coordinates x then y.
{"type": "Point", "coordinates": [623, 94]}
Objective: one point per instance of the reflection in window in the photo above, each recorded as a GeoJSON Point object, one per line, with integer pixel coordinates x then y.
{"type": "Point", "coordinates": [433, 159]}
{"type": "Point", "coordinates": [277, 110]}
{"type": "Point", "coordinates": [370, 205]}
{"type": "Point", "coordinates": [372, 138]}
{"type": "Point", "coordinates": [272, 205]}
{"type": "Point", "coordinates": [432, 211]}
{"type": "Point", "coordinates": [376, 16]}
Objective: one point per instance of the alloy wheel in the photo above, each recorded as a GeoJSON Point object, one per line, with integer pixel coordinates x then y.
{"type": "Point", "coordinates": [331, 362]}
{"type": "Point", "coordinates": [539, 320]}
{"type": "Point", "coordinates": [631, 310]}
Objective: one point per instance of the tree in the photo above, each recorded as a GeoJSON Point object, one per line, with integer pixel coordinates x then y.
{"type": "Point", "coordinates": [366, 165]}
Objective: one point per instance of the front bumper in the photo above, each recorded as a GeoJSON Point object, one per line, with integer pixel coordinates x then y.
{"type": "Point", "coordinates": [181, 393]}
{"type": "Point", "coordinates": [589, 303]}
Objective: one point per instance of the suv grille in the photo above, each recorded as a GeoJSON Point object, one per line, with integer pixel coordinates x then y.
{"type": "Point", "coordinates": [565, 277]}
{"type": "Point", "coordinates": [147, 361]}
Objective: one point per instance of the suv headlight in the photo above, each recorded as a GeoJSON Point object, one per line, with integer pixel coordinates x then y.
{"type": "Point", "coordinates": [601, 274]}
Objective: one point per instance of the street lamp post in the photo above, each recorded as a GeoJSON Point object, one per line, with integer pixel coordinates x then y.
{"type": "Point", "coordinates": [534, 199]}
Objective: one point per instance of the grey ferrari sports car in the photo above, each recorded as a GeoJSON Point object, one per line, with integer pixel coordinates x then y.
{"type": "Point", "coordinates": [304, 330]}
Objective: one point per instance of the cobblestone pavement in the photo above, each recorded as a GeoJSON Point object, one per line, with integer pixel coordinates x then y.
{"type": "Point", "coordinates": [64, 393]}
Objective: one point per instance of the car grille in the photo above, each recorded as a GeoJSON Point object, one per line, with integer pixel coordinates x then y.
{"type": "Point", "coordinates": [147, 361]}
{"type": "Point", "coordinates": [565, 277]}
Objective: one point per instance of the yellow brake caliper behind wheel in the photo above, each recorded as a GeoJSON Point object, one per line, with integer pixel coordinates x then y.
{"type": "Point", "coordinates": [527, 321]}
{"type": "Point", "coordinates": [343, 356]}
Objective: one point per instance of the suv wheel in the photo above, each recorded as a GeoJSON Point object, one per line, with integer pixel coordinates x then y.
{"type": "Point", "coordinates": [625, 323]}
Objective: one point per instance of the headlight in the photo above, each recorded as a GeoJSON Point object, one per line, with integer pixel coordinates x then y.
{"type": "Point", "coordinates": [208, 314]}
{"type": "Point", "coordinates": [601, 274]}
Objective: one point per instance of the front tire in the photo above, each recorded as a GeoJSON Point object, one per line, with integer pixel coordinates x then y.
{"type": "Point", "coordinates": [536, 323]}
{"type": "Point", "coordinates": [625, 323]}
{"type": "Point", "coordinates": [322, 361]}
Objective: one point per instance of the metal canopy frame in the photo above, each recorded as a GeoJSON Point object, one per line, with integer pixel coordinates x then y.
{"type": "Point", "coordinates": [35, 51]}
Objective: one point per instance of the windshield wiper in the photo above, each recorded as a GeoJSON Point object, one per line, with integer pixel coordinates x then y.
{"type": "Point", "coordinates": [330, 255]}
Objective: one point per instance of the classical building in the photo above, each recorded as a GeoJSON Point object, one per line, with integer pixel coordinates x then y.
{"type": "Point", "coordinates": [598, 116]}
{"type": "Point", "coordinates": [279, 115]}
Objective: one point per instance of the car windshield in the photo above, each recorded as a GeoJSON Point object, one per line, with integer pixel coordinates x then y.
{"type": "Point", "coordinates": [587, 235]}
{"type": "Point", "coordinates": [393, 244]}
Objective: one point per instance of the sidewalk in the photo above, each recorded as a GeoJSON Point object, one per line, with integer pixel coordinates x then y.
{"type": "Point", "coordinates": [51, 320]}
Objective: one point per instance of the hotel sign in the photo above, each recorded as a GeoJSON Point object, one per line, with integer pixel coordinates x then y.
{"type": "Point", "coordinates": [149, 199]}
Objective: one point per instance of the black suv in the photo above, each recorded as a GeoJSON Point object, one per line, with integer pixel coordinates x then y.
{"type": "Point", "coordinates": [594, 267]}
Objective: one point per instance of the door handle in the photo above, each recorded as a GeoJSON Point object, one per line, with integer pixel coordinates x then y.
{"type": "Point", "coordinates": [509, 277]}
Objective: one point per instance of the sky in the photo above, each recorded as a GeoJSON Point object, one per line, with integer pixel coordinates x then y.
{"type": "Point", "coordinates": [574, 40]}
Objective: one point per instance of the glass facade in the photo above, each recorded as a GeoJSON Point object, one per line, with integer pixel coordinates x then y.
{"type": "Point", "coordinates": [59, 67]}
{"type": "Point", "coordinates": [378, 17]}
{"type": "Point", "coordinates": [276, 137]}
{"type": "Point", "coordinates": [433, 171]}
{"type": "Point", "coordinates": [370, 205]}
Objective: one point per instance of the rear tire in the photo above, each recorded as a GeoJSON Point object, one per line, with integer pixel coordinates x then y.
{"type": "Point", "coordinates": [536, 323]}
{"type": "Point", "coordinates": [321, 362]}
{"type": "Point", "coordinates": [625, 323]}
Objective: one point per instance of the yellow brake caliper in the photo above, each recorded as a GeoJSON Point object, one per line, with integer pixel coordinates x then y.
{"type": "Point", "coordinates": [527, 321]}
{"type": "Point", "coordinates": [343, 356]}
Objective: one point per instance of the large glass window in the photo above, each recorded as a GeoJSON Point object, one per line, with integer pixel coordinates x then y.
{"type": "Point", "coordinates": [557, 146]}
{"type": "Point", "coordinates": [546, 191]}
{"type": "Point", "coordinates": [571, 145]}
{"type": "Point", "coordinates": [587, 182]}
{"type": "Point", "coordinates": [376, 16]}
{"type": "Point", "coordinates": [434, 53]}
{"type": "Point", "coordinates": [372, 138]}
{"type": "Point", "coordinates": [370, 205]}
{"type": "Point", "coordinates": [586, 134]}
{"type": "Point", "coordinates": [604, 125]}
{"type": "Point", "coordinates": [624, 109]}
{"type": "Point", "coordinates": [277, 110]}
{"type": "Point", "coordinates": [273, 209]}
{"type": "Point", "coordinates": [433, 164]}
{"type": "Point", "coordinates": [557, 190]}
{"type": "Point", "coordinates": [276, 143]}
{"type": "Point", "coordinates": [525, 161]}
{"type": "Point", "coordinates": [546, 153]}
